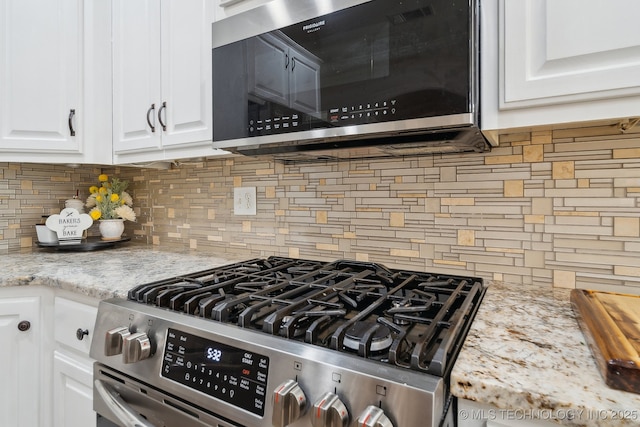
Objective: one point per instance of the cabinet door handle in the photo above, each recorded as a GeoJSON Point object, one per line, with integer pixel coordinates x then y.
{"type": "Point", "coordinates": [80, 333]}
{"type": "Point", "coordinates": [164, 105]}
{"type": "Point", "coordinates": [286, 61]}
{"type": "Point", "coordinates": [153, 107]}
{"type": "Point", "coordinates": [72, 113]}
{"type": "Point", "coordinates": [24, 326]}
{"type": "Point", "coordinates": [116, 404]}
{"type": "Point", "coordinates": [293, 64]}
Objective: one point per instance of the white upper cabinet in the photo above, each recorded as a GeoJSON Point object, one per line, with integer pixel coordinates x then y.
{"type": "Point", "coordinates": [54, 92]}
{"type": "Point", "coordinates": [162, 80]}
{"type": "Point", "coordinates": [547, 62]}
{"type": "Point", "coordinates": [136, 75]}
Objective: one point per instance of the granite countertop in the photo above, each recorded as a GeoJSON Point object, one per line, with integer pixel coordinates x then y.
{"type": "Point", "coordinates": [525, 351]}
{"type": "Point", "coordinates": [103, 273]}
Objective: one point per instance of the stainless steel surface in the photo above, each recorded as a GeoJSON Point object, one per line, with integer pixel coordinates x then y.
{"type": "Point", "coordinates": [136, 347]}
{"type": "Point", "coordinates": [289, 403]}
{"type": "Point", "coordinates": [407, 398]}
{"type": "Point", "coordinates": [428, 135]}
{"type": "Point", "coordinates": [271, 16]}
{"type": "Point", "coordinates": [156, 407]}
{"type": "Point", "coordinates": [409, 137]}
{"type": "Point", "coordinates": [126, 416]}
{"type": "Point", "coordinates": [113, 340]}
{"type": "Point", "coordinates": [329, 411]}
{"type": "Point", "coordinates": [374, 417]}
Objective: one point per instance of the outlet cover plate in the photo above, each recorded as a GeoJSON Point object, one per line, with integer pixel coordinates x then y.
{"type": "Point", "coordinates": [244, 201]}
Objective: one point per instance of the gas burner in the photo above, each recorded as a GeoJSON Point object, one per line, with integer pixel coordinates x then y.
{"type": "Point", "coordinates": [361, 333]}
{"type": "Point", "coordinates": [400, 304]}
{"type": "Point", "coordinates": [411, 319]}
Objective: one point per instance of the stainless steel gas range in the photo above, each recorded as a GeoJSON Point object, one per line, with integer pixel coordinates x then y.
{"type": "Point", "coordinates": [283, 342]}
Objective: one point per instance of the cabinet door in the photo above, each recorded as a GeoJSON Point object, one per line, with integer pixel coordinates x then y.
{"type": "Point", "coordinates": [268, 64]}
{"type": "Point", "coordinates": [136, 75]}
{"type": "Point", "coordinates": [186, 71]}
{"type": "Point", "coordinates": [304, 83]}
{"type": "Point", "coordinates": [40, 76]}
{"type": "Point", "coordinates": [20, 367]}
{"type": "Point", "coordinates": [558, 52]}
{"type": "Point", "coordinates": [72, 391]}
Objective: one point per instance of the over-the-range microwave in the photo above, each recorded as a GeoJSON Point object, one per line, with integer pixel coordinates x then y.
{"type": "Point", "coordinates": [324, 79]}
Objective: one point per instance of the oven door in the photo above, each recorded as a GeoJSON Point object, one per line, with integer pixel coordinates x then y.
{"type": "Point", "coordinates": [120, 400]}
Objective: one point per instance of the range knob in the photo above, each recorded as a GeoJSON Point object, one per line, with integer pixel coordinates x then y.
{"type": "Point", "coordinates": [114, 339]}
{"type": "Point", "coordinates": [373, 416]}
{"type": "Point", "coordinates": [329, 411]}
{"type": "Point", "coordinates": [136, 347]}
{"type": "Point", "coordinates": [289, 403]}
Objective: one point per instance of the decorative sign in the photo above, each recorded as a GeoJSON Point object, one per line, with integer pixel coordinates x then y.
{"type": "Point", "coordinates": [69, 224]}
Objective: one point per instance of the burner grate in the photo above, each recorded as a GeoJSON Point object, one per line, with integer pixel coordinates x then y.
{"type": "Point", "coordinates": [411, 319]}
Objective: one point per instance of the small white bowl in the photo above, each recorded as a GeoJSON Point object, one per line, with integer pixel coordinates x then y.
{"type": "Point", "coordinates": [45, 234]}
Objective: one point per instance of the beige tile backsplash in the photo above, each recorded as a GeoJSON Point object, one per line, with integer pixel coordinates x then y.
{"type": "Point", "coordinates": [552, 208]}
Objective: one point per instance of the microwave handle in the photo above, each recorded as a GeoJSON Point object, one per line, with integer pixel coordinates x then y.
{"type": "Point", "coordinates": [119, 407]}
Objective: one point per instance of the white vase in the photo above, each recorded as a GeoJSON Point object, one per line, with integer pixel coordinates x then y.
{"type": "Point", "coordinates": [111, 229]}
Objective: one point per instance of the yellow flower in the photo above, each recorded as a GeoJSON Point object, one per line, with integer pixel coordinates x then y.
{"type": "Point", "coordinates": [109, 200]}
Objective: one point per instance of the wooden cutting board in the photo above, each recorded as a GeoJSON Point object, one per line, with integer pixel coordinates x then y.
{"type": "Point", "coordinates": [611, 323]}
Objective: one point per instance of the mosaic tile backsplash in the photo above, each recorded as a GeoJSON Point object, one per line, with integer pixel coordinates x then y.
{"type": "Point", "coordinates": [552, 208]}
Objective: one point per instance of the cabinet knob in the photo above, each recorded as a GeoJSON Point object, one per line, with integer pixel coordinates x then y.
{"type": "Point", "coordinates": [24, 325]}
{"type": "Point", "coordinates": [80, 333]}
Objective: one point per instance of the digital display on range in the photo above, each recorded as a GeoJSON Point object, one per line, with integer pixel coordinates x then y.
{"type": "Point", "coordinates": [231, 374]}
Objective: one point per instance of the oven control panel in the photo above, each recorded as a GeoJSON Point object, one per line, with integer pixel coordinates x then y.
{"type": "Point", "coordinates": [231, 374]}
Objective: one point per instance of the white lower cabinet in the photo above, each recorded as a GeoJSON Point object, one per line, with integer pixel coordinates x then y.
{"type": "Point", "coordinates": [72, 390]}
{"type": "Point", "coordinates": [72, 368]}
{"type": "Point", "coordinates": [24, 314]}
{"type": "Point", "coordinates": [45, 370]}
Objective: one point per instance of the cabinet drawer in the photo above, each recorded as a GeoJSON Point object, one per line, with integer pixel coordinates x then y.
{"type": "Point", "coordinates": [71, 316]}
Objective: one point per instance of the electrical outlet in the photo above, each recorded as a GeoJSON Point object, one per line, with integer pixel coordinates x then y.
{"type": "Point", "coordinates": [244, 201]}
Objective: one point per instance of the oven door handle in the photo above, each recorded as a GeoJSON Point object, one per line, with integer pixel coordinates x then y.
{"type": "Point", "coordinates": [119, 407]}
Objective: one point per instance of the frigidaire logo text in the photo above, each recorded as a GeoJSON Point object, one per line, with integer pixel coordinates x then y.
{"type": "Point", "coordinates": [313, 26]}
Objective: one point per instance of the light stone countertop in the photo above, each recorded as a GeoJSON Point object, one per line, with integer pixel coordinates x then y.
{"type": "Point", "coordinates": [525, 351]}
{"type": "Point", "coordinates": [103, 273]}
